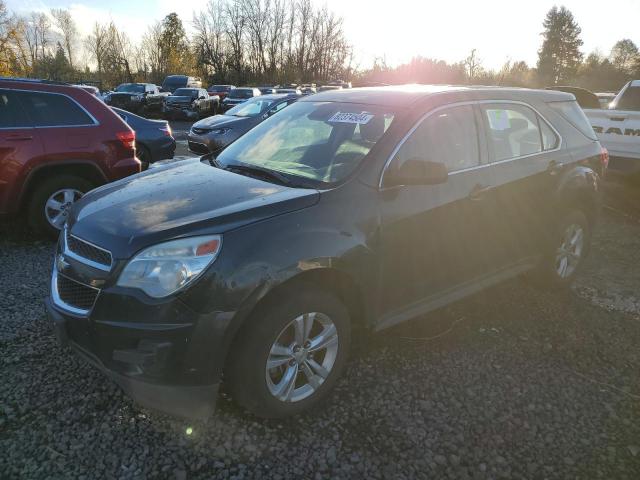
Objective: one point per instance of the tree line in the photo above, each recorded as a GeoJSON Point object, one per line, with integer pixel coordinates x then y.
{"type": "Point", "coordinates": [279, 41]}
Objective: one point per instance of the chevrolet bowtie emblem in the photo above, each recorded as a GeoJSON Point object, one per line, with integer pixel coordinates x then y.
{"type": "Point", "coordinates": [61, 263]}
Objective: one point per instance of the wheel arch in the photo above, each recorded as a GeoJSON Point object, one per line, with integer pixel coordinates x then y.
{"type": "Point", "coordinates": [86, 170]}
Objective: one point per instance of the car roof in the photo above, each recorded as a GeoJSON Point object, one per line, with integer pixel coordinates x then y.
{"type": "Point", "coordinates": [407, 95]}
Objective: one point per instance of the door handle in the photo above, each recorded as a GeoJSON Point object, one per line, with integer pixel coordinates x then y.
{"type": "Point", "coordinates": [555, 167]}
{"type": "Point", "coordinates": [19, 138]}
{"type": "Point", "coordinates": [479, 191]}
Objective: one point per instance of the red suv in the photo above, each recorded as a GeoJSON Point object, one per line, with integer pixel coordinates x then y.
{"type": "Point", "coordinates": [57, 142]}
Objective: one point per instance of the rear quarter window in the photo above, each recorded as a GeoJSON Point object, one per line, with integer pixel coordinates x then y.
{"type": "Point", "coordinates": [572, 113]}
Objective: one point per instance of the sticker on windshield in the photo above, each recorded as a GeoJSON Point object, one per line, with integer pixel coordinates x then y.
{"type": "Point", "coordinates": [346, 117]}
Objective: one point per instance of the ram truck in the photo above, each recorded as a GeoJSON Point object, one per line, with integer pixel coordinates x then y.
{"type": "Point", "coordinates": [618, 129]}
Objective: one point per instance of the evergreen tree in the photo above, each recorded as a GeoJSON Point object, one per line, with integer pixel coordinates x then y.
{"type": "Point", "coordinates": [560, 56]}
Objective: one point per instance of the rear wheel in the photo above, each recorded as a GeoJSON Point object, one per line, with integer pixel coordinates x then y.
{"type": "Point", "coordinates": [572, 241]}
{"type": "Point", "coordinates": [290, 355]}
{"type": "Point", "coordinates": [144, 155]}
{"type": "Point", "coordinates": [51, 201]}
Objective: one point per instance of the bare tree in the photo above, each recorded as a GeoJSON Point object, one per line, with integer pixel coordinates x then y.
{"type": "Point", "coordinates": [67, 26]}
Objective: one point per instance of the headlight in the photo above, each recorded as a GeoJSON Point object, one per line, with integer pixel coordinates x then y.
{"type": "Point", "coordinates": [167, 267]}
{"type": "Point", "coordinates": [220, 131]}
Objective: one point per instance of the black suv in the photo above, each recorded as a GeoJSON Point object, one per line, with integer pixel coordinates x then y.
{"type": "Point", "coordinates": [351, 208]}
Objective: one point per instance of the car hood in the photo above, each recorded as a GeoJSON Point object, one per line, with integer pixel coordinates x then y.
{"type": "Point", "coordinates": [178, 199]}
{"type": "Point", "coordinates": [220, 121]}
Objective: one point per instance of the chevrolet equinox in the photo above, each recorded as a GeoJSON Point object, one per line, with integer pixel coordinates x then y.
{"type": "Point", "coordinates": [348, 211]}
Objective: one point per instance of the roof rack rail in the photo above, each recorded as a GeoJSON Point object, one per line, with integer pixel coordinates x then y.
{"type": "Point", "coordinates": [33, 80]}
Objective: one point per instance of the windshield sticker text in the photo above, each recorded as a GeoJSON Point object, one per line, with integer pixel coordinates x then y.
{"type": "Point", "coordinates": [345, 117]}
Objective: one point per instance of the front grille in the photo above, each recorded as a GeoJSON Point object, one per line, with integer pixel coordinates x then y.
{"type": "Point", "coordinates": [86, 250]}
{"type": "Point", "coordinates": [76, 294]}
{"type": "Point", "coordinates": [198, 148]}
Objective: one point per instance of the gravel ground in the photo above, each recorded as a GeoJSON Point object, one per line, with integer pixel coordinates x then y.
{"type": "Point", "coordinates": [511, 383]}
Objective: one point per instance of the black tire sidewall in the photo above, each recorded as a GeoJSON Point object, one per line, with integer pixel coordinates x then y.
{"type": "Point", "coordinates": [247, 370]}
{"type": "Point", "coordinates": [42, 192]}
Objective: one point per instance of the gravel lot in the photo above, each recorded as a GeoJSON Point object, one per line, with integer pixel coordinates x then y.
{"type": "Point", "coordinates": [511, 383]}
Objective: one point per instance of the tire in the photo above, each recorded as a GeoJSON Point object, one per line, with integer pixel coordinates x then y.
{"type": "Point", "coordinates": [550, 274]}
{"type": "Point", "coordinates": [252, 385]}
{"type": "Point", "coordinates": [54, 188]}
{"type": "Point", "coordinates": [144, 155]}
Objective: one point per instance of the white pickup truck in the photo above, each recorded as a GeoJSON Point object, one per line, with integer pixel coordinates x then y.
{"type": "Point", "coordinates": [618, 129]}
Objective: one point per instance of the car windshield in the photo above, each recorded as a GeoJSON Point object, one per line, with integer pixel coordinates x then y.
{"type": "Point", "coordinates": [241, 93]}
{"type": "Point", "coordinates": [220, 88]}
{"type": "Point", "coordinates": [186, 92]}
{"type": "Point", "coordinates": [250, 108]}
{"type": "Point", "coordinates": [318, 141]}
{"type": "Point", "coordinates": [130, 88]}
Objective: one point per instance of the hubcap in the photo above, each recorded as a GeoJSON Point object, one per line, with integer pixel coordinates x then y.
{"type": "Point", "coordinates": [302, 357]}
{"type": "Point", "coordinates": [569, 253]}
{"type": "Point", "coordinates": [57, 207]}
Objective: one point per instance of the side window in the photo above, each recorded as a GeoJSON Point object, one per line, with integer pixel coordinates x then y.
{"type": "Point", "coordinates": [549, 138]}
{"type": "Point", "coordinates": [11, 114]}
{"type": "Point", "coordinates": [512, 131]}
{"type": "Point", "coordinates": [53, 110]}
{"type": "Point", "coordinates": [448, 136]}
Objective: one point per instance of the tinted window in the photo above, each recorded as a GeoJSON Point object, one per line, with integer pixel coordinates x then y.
{"type": "Point", "coordinates": [572, 112]}
{"type": "Point", "coordinates": [630, 99]}
{"type": "Point", "coordinates": [130, 88]}
{"type": "Point", "coordinates": [186, 92]}
{"type": "Point", "coordinates": [11, 114]}
{"type": "Point", "coordinates": [53, 110]}
{"type": "Point", "coordinates": [241, 93]}
{"type": "Point", "coordinates": [512, 131]}
{"type": "Point", "coordinates": [323, 142]}
{"type": "Point", "coordinates": [448, 136]}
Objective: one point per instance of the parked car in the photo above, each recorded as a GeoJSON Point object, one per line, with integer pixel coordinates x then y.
{"type": "Point", "coordinates": [215, 133]}
{"type": "Point", "coordinates": [191, 103]}
{"type": "Point", "coordinates": [308, 89]}
{"type": "Point", "coordinates": [154, 138]}
{"type": "Point", "coordinates": [239, 95]}
{"type": "Point", "coordinates": [172, 82]}
{"type": "Point", "coordinates": [140, 98]}
{"type": "Point", "coordinates": [618, 129]}
{"type": "Point", "coordinates": [220, 90]}
{"type": "Point", "coordinates": [289, 91]}
{"type": "Point", "coordinates": [348, 211]}
{"type": "Point", "coordinates": [57, 142]}
{"type": "Point", "coordinates": [267, 90]}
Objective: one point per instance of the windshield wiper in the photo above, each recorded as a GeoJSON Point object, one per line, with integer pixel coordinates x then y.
{"type": "Point", "coordinates": [262, 172]}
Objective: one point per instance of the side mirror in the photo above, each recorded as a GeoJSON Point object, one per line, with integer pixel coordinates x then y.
{"type": "Point", "coordinates": [418, 171]}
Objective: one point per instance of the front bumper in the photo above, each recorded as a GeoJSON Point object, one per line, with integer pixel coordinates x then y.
{"type": "Point", "coordinates": [179, 111]}
{"type": "Point", "coordinates": [163, 353]}
{"type": "Point", "coordinates": [189, 401]}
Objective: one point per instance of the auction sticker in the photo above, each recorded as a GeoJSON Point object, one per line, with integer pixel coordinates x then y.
{"type": "Point", "coordinates": [361, 118]}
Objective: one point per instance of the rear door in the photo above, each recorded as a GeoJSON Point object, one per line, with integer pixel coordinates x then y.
{"type": "Point", "coordinates": [525, 156]}
{"type": "Point", "coordinates": [434, 237]}
{"type": "Point", "coordinates": [67, 130]}
{"type": "Point", "coordinates": [20, 148]}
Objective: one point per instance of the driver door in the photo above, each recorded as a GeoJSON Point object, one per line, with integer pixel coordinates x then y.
{"type": "Point", "coordinates": [434, 237]}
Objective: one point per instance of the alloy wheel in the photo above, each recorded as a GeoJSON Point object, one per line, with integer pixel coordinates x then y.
{"type": "Point", "coordinates": [58, 204]}
{"type": "Point", "coordinates": [569, 253]}
{"type": "Point", "coordinates": [301, 358]}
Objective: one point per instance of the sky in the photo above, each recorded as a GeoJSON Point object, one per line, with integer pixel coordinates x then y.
{"type": "Point", "coordinates": [398, 30]}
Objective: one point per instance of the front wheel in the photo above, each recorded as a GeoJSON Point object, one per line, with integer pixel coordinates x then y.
{"type": "Point", "coordinates": [290, 355]}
